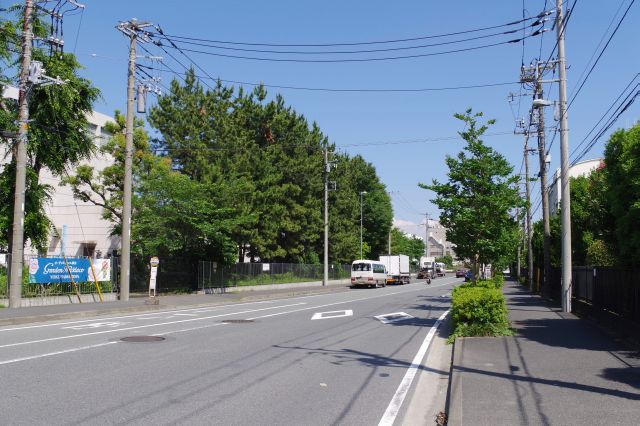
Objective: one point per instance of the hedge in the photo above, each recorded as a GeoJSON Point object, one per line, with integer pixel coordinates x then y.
{"type": "Point", "coordinates": [479, 310]}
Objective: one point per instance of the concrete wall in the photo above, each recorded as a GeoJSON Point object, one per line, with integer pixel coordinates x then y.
{"type": "Point", "coordinates": [27, 302]}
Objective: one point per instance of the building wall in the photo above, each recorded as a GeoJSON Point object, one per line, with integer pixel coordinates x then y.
{"type": "Point", "coordinates": [438, 244]}
{"type": "Point", "coordinates": [583, 168]}
{"type": "Point", "coordinates": [79, 225]}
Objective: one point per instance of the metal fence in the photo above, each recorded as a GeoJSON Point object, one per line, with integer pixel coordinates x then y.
{"type": "Point", "coordinates": [213, 278]}
{"type": "Point", "coordinates": [615, 290]}
{"type": "Point", "coordinates": [177, 275]}
{"type": "Point", "coordinates": [609, 289]}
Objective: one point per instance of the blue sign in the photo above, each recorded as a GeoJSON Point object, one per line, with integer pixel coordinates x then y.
{"type": "Point", "coordinates": [43, 270]}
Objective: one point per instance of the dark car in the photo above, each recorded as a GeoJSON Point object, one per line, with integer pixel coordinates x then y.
{"type": "Point", "coordinates": [460, 273]}
{"type": "Point", "coordinates": [468, 276]}
{"type": "Point", "coordinates": [424, 273]}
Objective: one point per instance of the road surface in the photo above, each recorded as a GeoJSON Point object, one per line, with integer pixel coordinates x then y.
{"type": "Point", "coordinates": [339, 358]}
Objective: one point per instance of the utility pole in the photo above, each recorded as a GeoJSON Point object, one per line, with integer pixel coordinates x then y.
{"type": "Point", "coordinates": [564, 167]}
{"type": "Point", "coordinates": [544, 190]}
{"type": "Point", "coordinates": [327, 187]}
{"type": "Point", "coordinates": [131, 29]}
{"type": "Point", "coordinates": [325, 279]}
{"type": "Point", "coordinates": [426, 239]}
{"type": "Point", "coordinates": [20, 152]}
{"type": "Point", "coordinates": [527, 151]}
{"type": "Point", "coordinates": [361, 224]}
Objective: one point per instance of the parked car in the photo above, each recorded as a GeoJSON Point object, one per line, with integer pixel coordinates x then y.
{"type": "Point", "coordinates": [460, 273]}
{"type": "Point", "coordinates": [468, 276]}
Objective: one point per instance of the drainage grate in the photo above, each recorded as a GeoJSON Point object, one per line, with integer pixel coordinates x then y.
{"type": "Point", "coordinates": [237, 321]}
{"type": "Point", "coordinates": [142, 339]}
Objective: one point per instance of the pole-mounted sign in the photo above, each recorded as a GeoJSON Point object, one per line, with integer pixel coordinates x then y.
{"type": "Point", "coordinates": [154, 273]}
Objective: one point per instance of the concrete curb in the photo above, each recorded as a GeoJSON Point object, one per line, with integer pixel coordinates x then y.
{"type": "Point", "coordinates": [454, 395]}
{"type": "Point", "coordinates": [21, 320]}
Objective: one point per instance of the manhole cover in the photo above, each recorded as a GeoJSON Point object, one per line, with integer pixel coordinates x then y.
{"type": "Point", "coordinates": [142, 339]}
{"type": "Point", "coordinates": [236, 321]}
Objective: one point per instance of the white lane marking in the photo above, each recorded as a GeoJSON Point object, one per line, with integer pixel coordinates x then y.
{"type": "Point", "coordinates": [393, 409]}
{"type": "Point", "coordinates": [81, 348]}
{"type": "Point", "coordinates": [144, 326]}
{"type": "Point", "coordinates": [95, 325]}
{"type": "Point", "coordinates": [332, 314]}
{"type": "Point", "coordinates": [331, 304]}
{"type": "Point", "coordinates": [146, 315]}
{"type": "Point", "coordinates": [346, 301]}
{"type": "Point", "coordinates": [190, 329]}
{"type": "Point", "coordinates": [394, 317]}
{"type": "Point", "coordinates": [203, 309]}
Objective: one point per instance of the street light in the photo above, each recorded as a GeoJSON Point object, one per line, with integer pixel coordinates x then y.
{"type": "Point", "coordinates": [361, 194]}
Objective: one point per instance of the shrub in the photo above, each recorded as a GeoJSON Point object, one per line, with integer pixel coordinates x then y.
{"type": "Point", "coordinates": [479, 311]}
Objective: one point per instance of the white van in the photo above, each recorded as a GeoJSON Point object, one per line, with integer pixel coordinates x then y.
{"type": "Point", "coordinates": [370, 273]}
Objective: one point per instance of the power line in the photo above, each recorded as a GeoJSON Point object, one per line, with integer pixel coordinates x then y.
{"type": "Point", "coordinates": [318, 147]}
{"type": "Point", "coordinates": [592, 68]}
{"type": "Point", "coordinates": [575, 150]}
{"type": "Point", "coordinates": [575, 95]}
{"type": "Point", "coordinates": [619, 111]}
{"type": "Point", "coordinates": [328, 89]}
{"type": "Point", "coordinates": [539, 16]}
{"type": "Point", "coordinates": [387, 58]}
{"type": "Point", "coordinates": [599, 43]}
{"type": "Point", "coordinates": [344, 52]}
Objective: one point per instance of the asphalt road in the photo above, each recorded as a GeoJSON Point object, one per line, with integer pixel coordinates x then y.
{"type": "Point", "coordinates": [322, 359]}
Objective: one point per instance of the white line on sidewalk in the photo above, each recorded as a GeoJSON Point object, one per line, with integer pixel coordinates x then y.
{"type": "Point", "coordinates": [393, 409]}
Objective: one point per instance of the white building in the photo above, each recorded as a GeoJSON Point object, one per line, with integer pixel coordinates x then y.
{"type": "Point", "coordinates": [583, 168]}
{"type": "Point", "coordinates": [438, 245]}
{"type": "Point", "coordinates": [79, 226]}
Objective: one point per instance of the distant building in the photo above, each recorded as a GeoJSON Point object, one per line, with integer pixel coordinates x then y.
{"type": "Point", "coordinates": [79, 227]}
{"type": "Point", "coordinates": [583, 168]}
{"type": "Point", "coordinates": [438, 244]}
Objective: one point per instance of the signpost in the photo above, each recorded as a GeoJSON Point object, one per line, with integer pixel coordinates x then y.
{"type": "Point", "coordinates": [154, 272]}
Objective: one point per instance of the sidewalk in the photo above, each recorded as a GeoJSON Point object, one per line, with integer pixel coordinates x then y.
{"type": "Point", "coordinates": [556, 370]}
{"type": "Point", "coordinates": [169, 302]}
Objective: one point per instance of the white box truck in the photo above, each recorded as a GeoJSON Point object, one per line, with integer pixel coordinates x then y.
{"type": "Point", "coordinates": [427, 267]}
{"type": "Point", "coordinates": [397, 269]}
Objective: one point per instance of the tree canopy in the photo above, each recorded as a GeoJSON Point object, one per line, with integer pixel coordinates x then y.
{"type": "Point", "coordinates": [478, 201]}
{"type": "Point", "coordinates": [58, 136]}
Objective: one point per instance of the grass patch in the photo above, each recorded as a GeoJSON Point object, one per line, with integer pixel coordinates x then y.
{"type": "Point", "coordinates": [264, 279]}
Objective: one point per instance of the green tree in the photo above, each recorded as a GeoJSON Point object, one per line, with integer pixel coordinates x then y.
{"type": "Point", "coordinates": [447, 260]}
{"type": "Point", "coordinates": [105, 187]}
{"type": "Point", "coordinates": [622, 175]}
{"type": "Point", "coordinates": [411, 245]}
{"type": "Point", "coordinates": [58, 136]}
{"type": "Point", "coordinates": [477, 202]}
{"type": "Point", "coordinates": [268, 160]}
{"type": "Point", "coordinates": [177, 216]}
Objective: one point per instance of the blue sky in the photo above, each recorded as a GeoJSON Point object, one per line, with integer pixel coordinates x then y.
{"type": "Point", "coordinates": [401, 126]}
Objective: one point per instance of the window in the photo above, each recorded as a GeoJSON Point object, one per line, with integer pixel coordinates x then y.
{"type": "Point", "coordinates": [361, 267]}
{"type": "Point", "coordinates": [88, 249]}
{"type": "Point", "coordinates": [378, 268]}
